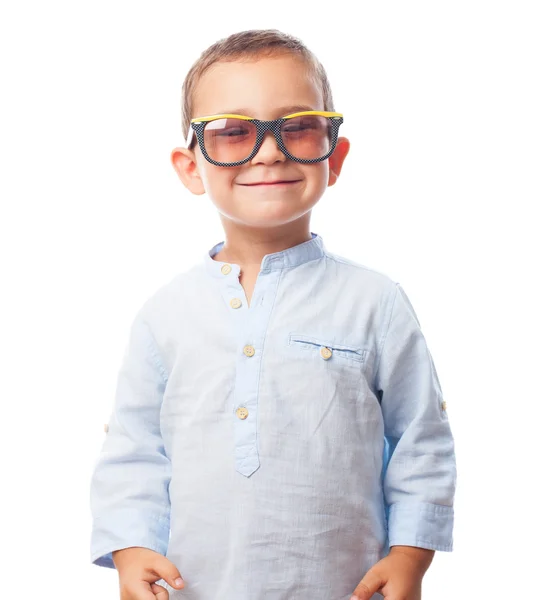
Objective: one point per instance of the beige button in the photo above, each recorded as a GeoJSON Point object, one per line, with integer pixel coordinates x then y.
{"type": "Point", "coordinates": [106, 427]}
{"type": "Point", "coordinates": [236, 303]}
{"type": "Point", "coordinates": [226, 269]}
{"type": "Point", "coordinates": [249, 350]}
{"type": "Point", "coordinates": [326, 353]}
{"type": "Point", "coordinates": [242, 412]}
{"type": "Point", "coordinates": [444, 405]}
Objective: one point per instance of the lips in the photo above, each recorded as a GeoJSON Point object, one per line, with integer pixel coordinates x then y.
{"type": "Point", "coordinates": [280, 182]}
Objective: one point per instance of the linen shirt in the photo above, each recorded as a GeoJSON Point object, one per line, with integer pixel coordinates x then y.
{"type": "Point", "coordinates": [275, 451]}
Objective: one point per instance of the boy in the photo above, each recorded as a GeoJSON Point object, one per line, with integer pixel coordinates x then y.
{"type": "Point", "coordinates": [279, 430]}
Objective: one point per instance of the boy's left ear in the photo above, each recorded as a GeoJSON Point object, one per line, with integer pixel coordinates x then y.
{"type": "Point", "coordinates": [335, 162]}
{"type": "Point", "coordinates": [184, 163]}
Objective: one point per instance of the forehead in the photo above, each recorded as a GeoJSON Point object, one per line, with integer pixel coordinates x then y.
{"type": "Point", "coordinates": [258, 87]}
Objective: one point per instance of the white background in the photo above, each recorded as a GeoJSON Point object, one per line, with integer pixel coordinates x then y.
{"type": "Point", "coordinates": [438, 191]}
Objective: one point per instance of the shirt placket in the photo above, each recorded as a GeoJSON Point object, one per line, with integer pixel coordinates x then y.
{"type": "Point", "coordinates": [250, 324]}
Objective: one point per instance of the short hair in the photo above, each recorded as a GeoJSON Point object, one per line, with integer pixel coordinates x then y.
{"type": "Point", "coordinates": [250, 45]}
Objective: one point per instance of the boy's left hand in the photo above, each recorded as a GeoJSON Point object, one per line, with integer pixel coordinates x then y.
{"type": "Point", "coordinates": [397, 576]}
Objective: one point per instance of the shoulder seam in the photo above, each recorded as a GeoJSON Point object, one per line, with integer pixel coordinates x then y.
{"type": "Point", "coordinates": [351, 263]}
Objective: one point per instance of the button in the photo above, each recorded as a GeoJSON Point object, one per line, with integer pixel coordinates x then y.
{"type": "Point", "coordinates": [444, 405]}
{"type": "Point", "coordinates": [226, 269]}
{"type": "Point", "coordinates": [242, 412]}
{"type": "Point", "coordinates": [106, 427]}
{"type": "Point", "coordinates": [236, 303]}
{"type": "Point", "coordinates": [326, 353]}
{"type": "Point", "coordinates": [249, 350]}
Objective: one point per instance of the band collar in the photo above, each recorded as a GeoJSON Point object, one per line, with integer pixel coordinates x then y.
{"type": "Point", "coordinates": [290, 257]}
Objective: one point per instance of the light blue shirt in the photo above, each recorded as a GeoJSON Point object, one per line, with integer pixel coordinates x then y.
{"type": "Point", "coordinates": [276, 450]}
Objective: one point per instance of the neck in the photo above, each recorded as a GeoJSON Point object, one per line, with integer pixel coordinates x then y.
{"type": "Point", "coordinates": [247, 246]}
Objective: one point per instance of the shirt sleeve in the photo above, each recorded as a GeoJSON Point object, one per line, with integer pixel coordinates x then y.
{"type": "Point", "coordinates": [420, 470]}
{"type": "Point", "coordinates": [129, 494]}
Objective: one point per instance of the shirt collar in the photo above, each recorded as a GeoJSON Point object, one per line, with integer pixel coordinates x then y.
{"type": "Point", "coordinates": [311, 249]}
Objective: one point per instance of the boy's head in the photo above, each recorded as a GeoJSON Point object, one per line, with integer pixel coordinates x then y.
{"type": "Point", "coordinates": [263, 74]}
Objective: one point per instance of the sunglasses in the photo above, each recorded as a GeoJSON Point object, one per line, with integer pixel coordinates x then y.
{"type": "Point", "coordinates": [231, 140]}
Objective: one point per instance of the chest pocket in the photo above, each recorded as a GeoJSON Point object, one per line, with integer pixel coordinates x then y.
{"type": "Point", "coordinates": [328, 350]}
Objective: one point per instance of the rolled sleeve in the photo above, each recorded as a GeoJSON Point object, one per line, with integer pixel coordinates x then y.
{"type": "Point", "coordinates": [126, 529]}
{"type": "Point", "coordinates": [129, 488]}
{"type": "Point", "coordinates": [421, 524]}
{"type": "Point", "coordinates": [420, 468]}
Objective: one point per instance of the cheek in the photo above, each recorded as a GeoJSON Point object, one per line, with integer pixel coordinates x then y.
{"type": "Point", "coordinates": [316, 171]}
{"type": "Point", "coordinates": [317, 176]}
{"type": "Point", "coordinates": [218, 183]}
{"type": "Point", "coordinates": [214, 177]}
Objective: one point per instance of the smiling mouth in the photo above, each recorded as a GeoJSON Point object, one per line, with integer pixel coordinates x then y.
{"type": "Point", "coordinates": [276, 184]}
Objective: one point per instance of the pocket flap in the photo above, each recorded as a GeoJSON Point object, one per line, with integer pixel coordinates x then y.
{"type": "Point", "coordinates": [313, 342]}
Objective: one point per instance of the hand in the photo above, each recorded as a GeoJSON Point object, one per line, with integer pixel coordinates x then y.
{"type": "Point", "coordinates": [139, 568]}
{"type": "Point", "coordinates": [397, 576]}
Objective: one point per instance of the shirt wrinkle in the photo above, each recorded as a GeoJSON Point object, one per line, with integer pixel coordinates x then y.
{"type": "Point", "coordinates": [276, 450]}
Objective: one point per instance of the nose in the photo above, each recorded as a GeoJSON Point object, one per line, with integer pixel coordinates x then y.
{"type": "Point", "coordinates": [268, 152]}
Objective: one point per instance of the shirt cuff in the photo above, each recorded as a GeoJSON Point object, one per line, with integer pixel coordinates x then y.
{"type": "Point", "coordinates": [421, 524]}
{"type": "Point", "coordinates": [125, 530]}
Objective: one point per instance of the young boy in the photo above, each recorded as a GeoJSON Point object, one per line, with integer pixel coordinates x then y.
{"type": "Point", "coordinates": [279, 431]}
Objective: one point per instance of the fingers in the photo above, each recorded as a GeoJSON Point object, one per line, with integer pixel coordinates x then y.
{"type": "Point", "coordinates": [371, 583]}
{"type": "Point", "coordinates": [166, 570]}
{"type": "Point", "coordinates": [140, 568]}
{"type": "Point", "coordinates": [160, 592]}
{"type": "Point", "coordinates": [142, 590]}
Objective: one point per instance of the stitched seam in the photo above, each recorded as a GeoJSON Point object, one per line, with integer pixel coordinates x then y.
{"type": "Point", "coordinates": [307, 339]}
{"type": "Point", "coordinates": [310, 347]}
{"type": "Point", "coordinates": [165, 518]}
{"type": "Point", "coordinates": [435, 509]}
{"type": "Point", "coordinates": [310, 343]}
{"type": "Point", "coordinates": [351, 263]}
{"type": "Point", "coordinates": [155, 354]}
{"type": "Point", "coordinates": [292, 266]}
{"type": "Point", "coordinates": [383, 339]}
{"type": "Point", "coordinates": [446, 547]}
{"type": "Point", "coordinates": [260, 367]}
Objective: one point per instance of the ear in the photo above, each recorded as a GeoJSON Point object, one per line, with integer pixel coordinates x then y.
{"type": "Point", "coordinates": [184, 163]}
{"type": "Point", "coordinates": [335, 162]}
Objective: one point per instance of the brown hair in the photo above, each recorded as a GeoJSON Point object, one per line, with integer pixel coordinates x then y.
{"type": "Point", "coordinates": [251, 44]}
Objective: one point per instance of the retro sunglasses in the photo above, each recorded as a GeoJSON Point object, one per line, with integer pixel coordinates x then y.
{"type": "Point", "coordinates": [230, 140]}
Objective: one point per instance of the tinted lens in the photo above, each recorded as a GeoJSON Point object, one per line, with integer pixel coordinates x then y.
{"type": "Point", "coordinates": [307, 137]}
{"type": "Point", "coordinates": [229, 140]}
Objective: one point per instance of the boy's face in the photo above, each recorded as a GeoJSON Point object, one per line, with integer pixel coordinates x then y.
{"type": "Point", "coordinates": [265, 89]}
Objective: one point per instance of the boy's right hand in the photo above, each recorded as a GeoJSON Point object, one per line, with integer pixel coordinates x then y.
{"type": "Point", "coordinates": [139, 568]}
